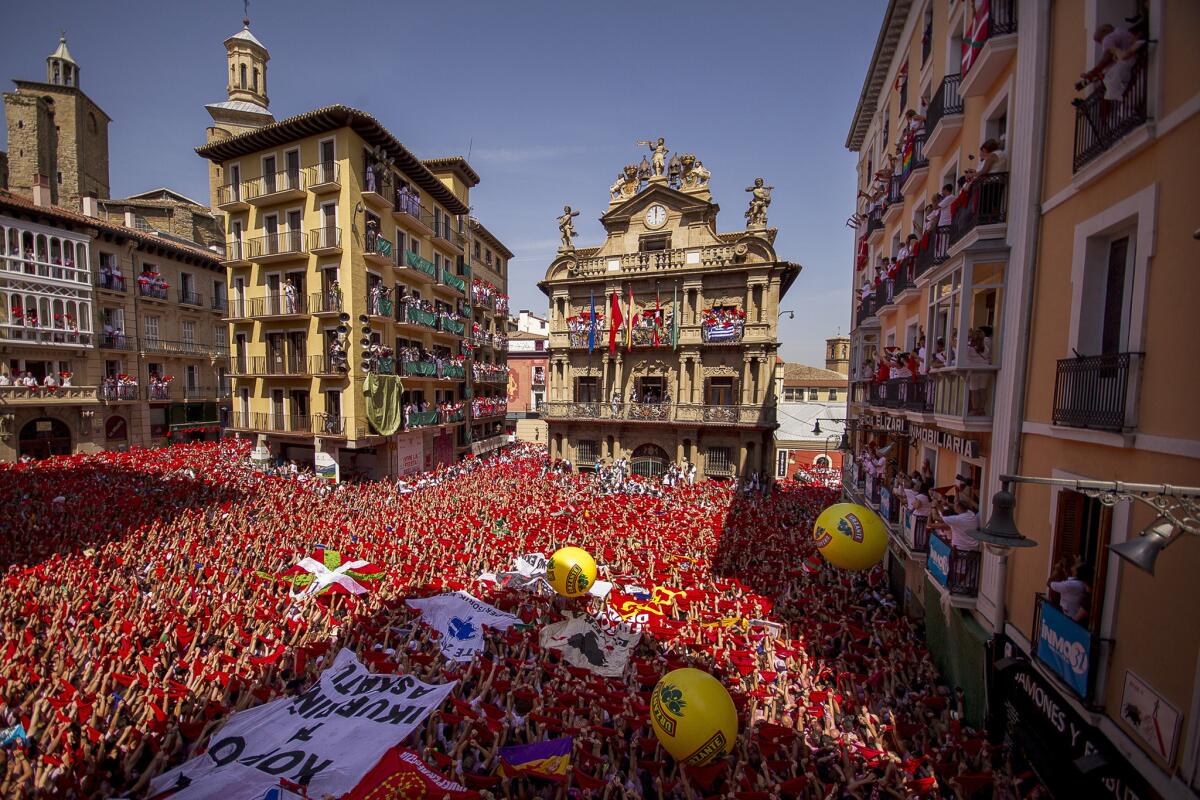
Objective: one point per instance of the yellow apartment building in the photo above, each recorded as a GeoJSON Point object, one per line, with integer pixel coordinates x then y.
{"type": "Point", "coordinates": [663, 338]}
{"type": "Point", "coordinates": [1051, 296]}
{"type": "Point", "coordinates": [488, 337]}
{"type": "Point", "coordinates": [349, 282]}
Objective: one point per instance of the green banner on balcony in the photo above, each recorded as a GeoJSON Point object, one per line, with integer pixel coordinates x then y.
{"type": "Point", "coordinates": [385, 412]}
{"type": "Point", "coordinates": [427, 368]}
{"type": "Point", "coordinates": [419, 316]}
{"type": "Point", "coordinates": [421, 419]}
{"type": "Point", "coordinates": [453, 326]}
{"type": "Point", "coordinates": [453, 281]}
{"type": "Point", "coordinates": [423, 264]}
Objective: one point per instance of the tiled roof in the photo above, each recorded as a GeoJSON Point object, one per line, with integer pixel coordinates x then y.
{"type": "Point", "coordinates": [496, 244]}
{"type": "Point", "coordinates": [804, 375]}
{"type": "Point", "coordinates": [328, 118]}
{"type": "Point", "coordinates": [453, 162]}
{"type": "Point", "coordinates": [10, 200]}
{"type": "Point", "coordinates": [246, 36]}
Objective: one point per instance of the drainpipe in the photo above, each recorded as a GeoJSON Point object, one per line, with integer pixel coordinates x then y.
{"type": "Point", "coordinates": [1032, 211]}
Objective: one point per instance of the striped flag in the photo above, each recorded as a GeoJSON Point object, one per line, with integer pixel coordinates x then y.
{"type": "Point", "coordinates": [977, 34]}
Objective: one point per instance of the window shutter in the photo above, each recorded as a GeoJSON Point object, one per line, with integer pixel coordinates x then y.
{"type": "Point", "coordinates": [1068, 525]}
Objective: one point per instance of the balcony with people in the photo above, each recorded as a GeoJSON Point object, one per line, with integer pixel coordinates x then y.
{"type": "Point", "coordinates": [152, 285]}
{"type": "Point", "coordinates": [962, 370]}
{"type": "Point", "coordinates": [377, 184]}
{"type": "Point", "coordinates": [989, 44]}
{"type": "Point", "coordinates": [29, 317]}
{"type": "Point", "coordinates": [1115, 93]}
{"type": "Point", "coordinates": [416, 312]}
{"type": "Point", "coordinates": [287, 301]}
{"type": "Point", "coordinates": [914, 163]}
{"type": "Point", "coordinates": [377, 249]}
{"type": "Point", "coordinates": [581, 333]}
{"type": "Point", "coordinates": [954, 556]}
{"type": "Point", "coordinates": [722, 325]}
{"type": "Point", "coordinates": [419, 267]}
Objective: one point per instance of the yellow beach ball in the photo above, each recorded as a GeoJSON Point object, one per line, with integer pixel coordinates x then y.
{"type": "Point", "coordinates": [571, 571]}
{"type": "Point", "coordinates": [693, 716]}
{"type": "Point", "coordinates": [850, 536]}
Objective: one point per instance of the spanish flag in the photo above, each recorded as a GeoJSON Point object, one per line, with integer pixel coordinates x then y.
{"type": "Point", "coordinates": [550, 759]}
{"type": "Point", "coordinates": [629, 322]}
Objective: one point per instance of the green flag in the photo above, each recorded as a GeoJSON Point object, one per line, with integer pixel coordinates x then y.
{"type": "Point", "coordinates": [675, 317]}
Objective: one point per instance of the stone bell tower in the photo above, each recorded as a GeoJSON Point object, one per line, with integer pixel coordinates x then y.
{"type": "Point", "coordinates": [246, 106]}
{"type": "Point", "coordinates": [56, 131]}
{"type": "Point", "coordinates": [837, 354]}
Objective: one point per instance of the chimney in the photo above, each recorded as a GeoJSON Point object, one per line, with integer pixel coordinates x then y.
{"type": "Point", "coordinates": [130, 222]}
{"type": "Point", "coordinates": [91, 207]}
{"type": "Point", "coordinates": [41, 191]}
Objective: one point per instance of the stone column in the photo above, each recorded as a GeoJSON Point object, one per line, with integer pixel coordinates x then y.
{"type": "Point", "coordinates": [746, 392]}
{"type": "Point", "coordinates": [568, 384]}
{"type": "Point", "coordinates": [764, 379]}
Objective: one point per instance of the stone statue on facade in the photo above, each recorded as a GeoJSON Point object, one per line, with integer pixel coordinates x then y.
{"type": "Point", "coordinates": [693, 174]}
{"type": "Point", "coordinates": [566, 227]}
{"type": "Point", "coordinates": [760, 198]}
{"type": "Point", "coordinates": [629, 180]}
{"type": "Point", "coordinates": [658, 151]}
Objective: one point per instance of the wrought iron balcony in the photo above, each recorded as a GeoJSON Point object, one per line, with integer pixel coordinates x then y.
{"type": "Point", "coordinates": [325, 240]}
{"type": "Point", "coordinates": [152, 344]}
{"type": "Point", "coordinates": [689, 413]}
{"type": "Point", "coordinates": [1100, 123]}
{"type": "Point", "coordinates": [1093, 392]}
{"type": "Point", "coordinates": [277, 305]}
{"type": "Point", "coordinates": [986, 203]}
{"type": "Point", "coordinates": [274, 187]}
{"type": "Point", "coordinates": [190, 298]}
{"type": "Point", "coordinates": [954, 568]}
{"type": "Point", "coordinates": [152, 290]}
{"type": "Point", "coordinates": [116, 341]}
{"type": "Point", "coordinates": [276, 246]}
{"type": "Point", "coordinates": [914, 531]}
{"type": "Point", "coordinates": [113, 283]}
{"type": "Point", "coordinates": [945, 109]}
{"type": "Point", "coordinates": [324, 177]}
{"type": "Point", "coordinates": [934, 247]}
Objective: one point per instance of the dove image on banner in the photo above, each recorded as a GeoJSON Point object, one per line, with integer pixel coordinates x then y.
{"type": "Point", "coordinates": [586, 643]}
{"type": "Point", "coordinates": [327, 738]}
{"type": "Point", "coordinates": [460, 618]}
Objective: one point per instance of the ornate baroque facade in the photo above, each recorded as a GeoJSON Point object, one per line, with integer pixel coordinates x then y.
{"type": "Point", "coordinates": [684, 370]}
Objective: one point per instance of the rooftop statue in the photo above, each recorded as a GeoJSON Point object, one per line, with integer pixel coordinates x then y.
{"type": "Point", "coordinates": [658, 150]}
{"type": "Point", "coordinates": [566, 227]}
{"type": "Point", "coordinates": [760, 198]}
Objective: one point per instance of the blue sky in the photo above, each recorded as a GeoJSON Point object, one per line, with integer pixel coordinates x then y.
{"type": "Point", "coordinates": [547, 98]}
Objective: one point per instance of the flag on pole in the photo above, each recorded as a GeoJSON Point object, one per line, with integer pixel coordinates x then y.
{"type": "Point", "coordinates": [629, 322]}
{"type": "Point", "coordinates": [658, 320]}
{"type": "Point", "coordinates": [675, 317]}
{"type": "Point", "coordinates": [977, 34]}
{"type": "Point", "coordinates": [614, 324]}
{"type": "Point", "coordinates": [592, 323]}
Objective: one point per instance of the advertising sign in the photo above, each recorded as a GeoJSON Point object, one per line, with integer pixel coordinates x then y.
{"type": "Point", "coordinates": [1064, 646]}
{"type": "Point", "coordinates": [885, 505]}
{"type": "Point", "coordinates": [938, 563]}
{"type": "Point", "coordinates": [410, 455]}
{"type": "Point", "coordinates": [325, 466]}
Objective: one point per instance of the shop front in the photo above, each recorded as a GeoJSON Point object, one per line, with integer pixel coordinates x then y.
{"type": "Point", "coordinates": [1068, 752]}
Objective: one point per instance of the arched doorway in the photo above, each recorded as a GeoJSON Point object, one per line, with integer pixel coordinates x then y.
{"type": "Point", "coordinates": [44, 437]}
{"type": "Point", "coordinates": [649, 460]}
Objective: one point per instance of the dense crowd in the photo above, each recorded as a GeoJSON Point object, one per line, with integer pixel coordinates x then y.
{"type": "Point", "coordinates": [135, 622]}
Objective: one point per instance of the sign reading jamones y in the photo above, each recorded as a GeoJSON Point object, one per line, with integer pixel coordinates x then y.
{"type": "Point", "coordinates": [326, 738]}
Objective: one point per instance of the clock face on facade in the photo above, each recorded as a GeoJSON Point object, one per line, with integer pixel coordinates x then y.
{"type": "Point", "coordinates": [656, 216]}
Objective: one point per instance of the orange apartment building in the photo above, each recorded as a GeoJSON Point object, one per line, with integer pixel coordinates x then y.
{"type": "Point", "coordinates": [1052, 297]}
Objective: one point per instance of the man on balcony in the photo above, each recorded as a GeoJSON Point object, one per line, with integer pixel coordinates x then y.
{"type": "Point", "coordinates": [1118, 49]}
{"type": "Point", "coordinates": [958, 524]}
{"type": "Point", "coordinates": [1072, 592]}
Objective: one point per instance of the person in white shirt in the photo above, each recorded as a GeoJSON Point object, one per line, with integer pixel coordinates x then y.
{"type": "Point", "coordinates": [958, 524]}
{"type": "Point", "coordinates": [944, 214]}
{"type": "Point", "coordinates": [5, 380]}
{"type": "Point", "coordinates": [1071, 595]}
{"type": "Point", "coordinates": [50, 381]}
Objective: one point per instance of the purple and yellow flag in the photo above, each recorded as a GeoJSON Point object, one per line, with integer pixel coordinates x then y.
{"type": "Point", "coordinates": [550, 758]}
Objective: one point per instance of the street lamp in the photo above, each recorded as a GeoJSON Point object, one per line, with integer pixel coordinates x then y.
{"type": "Point", "coordinates": [1178, 509]}
{"type": "Point", "coordinates": [791, 314]}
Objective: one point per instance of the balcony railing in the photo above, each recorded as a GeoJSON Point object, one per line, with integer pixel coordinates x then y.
{"type": "Point", "coordinates": [163, 391]}
{"type": "Point", "coordinates": [453, 281]}
{"type": "Point", "coordinates": [117, 341]}
{"type": "Point", "coordinates": [220, 303]}
{"type": "Point", "coordinates": [274, 183]}
{"type": "Point", "coordinates": [415, 315]}
{"type": "Point", "coordinates": [285, 243]}
{"type": "Point", "coordinates": [277, 305]}
{"type": "Point", "coordinates": [866, 310]}
{"type": "Point", "coordinates": [963, 393]}
{"type": "Point", "coordinates": [452, 371]}
{"type": "Point", "coordinates": [325, 173]}
{"type": "Point", "coordinates": [50, 395]}
{"type": "Point", "coordinates": [946, 102]}
{"type": "Point", "coordinates": [580, 338]}
{"type": "Point", "coordinates": [953, 568]}
{"type": "Point", "coordinates": [327, 365]}
{"type": "Point", "coordinates": [894, 194]}
{"type": "Point", "coordinates": [114, 283]}
{"type": "Point", "coordinates": [874, 221]}
{"type": "Point", "coordinates": [680, 258]}
{"type": "Point", "coordinates": [119, 393]}
{"type": "Point", "coordinates": [662, 412]}
{"type": "Point", "coordinates": [327, 302]}
{"type": "Point", "coordinates": [327, 238]}
{"type": "Point", "coordinates": [405, 201]}
{"type": "Point", "coordinates": [380, 306]}
{"type": "Point", "coordinates": [377, 246]}
{"type": "Point", "coordinates": [1000, 21]}
{"type": "Point", "coordinates": [722, 333]}
{"type": "Point", "coordinates": [934, 249]}
{"type": "Point", "coordinates": [45, 335]}
{"type": "Point", "coordinates": [420, 419]}
{"type": "Point", "coordinates": [1100, 123]}
{"type": "Point", "coordinates": [986, 203]}
{"type": "Point", "coordinates": [190, 298]}
{"type": "Point", "coordinates": [1065, 647]}
{"type": "Point", "coordinates": [651, 337]}
{"type": "Point", "coordinates": [916, 534]}
{"type": "Point", "coordinates": [452, 326]}
{"type": "Point", "coordinates": [199, 393]}
{"type": "Point", "coordinates": [913, 157]}
{"type": "Point", "coordinates": [156, 345]}
{"type": "Point", "coordinates": [1093, 391]}
{"type": "Point", "coordinates": [230, 193]}
{"type": "Point", "coordinates": [420, 369]}
{"type": "Point", "coordinates": [152, 290]}
{"type": "Point", "coordinates": [420, 264]}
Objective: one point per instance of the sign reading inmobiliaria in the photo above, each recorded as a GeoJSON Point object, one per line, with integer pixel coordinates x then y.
{"type": "Point", "coordinates": [328, 738]}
